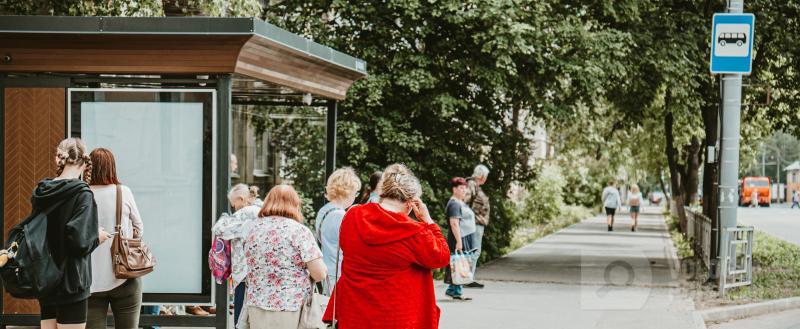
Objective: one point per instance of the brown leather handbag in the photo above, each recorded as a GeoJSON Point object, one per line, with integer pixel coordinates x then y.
{"type": "Point", "coordinates": [130, 257]}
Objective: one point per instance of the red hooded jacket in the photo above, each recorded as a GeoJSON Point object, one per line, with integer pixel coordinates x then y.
{"type": "Point", "coordinates": [386, 279]}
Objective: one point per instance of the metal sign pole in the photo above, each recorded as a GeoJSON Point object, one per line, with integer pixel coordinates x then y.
{"type": "Point", "coordinates": [729, 164]}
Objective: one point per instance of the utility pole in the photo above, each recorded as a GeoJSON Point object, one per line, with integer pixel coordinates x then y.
{"type": "Point", "coordinates": [729, 164]}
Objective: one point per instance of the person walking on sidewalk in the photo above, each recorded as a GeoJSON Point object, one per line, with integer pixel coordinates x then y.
{"type": "Point", "coordinates": [462, 230]}
{"type": "Point", "coordinates": [341, 192]}
{"type": "Point", "coordinates": [634, 201]}
{"type": "Point", "coordinates": [386, 280]}
{"type": "Point", "coordinates": [611, 201]}
{"type": "Point", "coordinates": [479, 203]}
{"type": "Point", "coordinates": [796, 199]}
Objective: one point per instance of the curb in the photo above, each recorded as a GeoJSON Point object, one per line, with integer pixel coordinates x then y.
{"type": "Point", "coordinates": [697, 320]}
{"type": "Point", "coordinates": [724, 314]}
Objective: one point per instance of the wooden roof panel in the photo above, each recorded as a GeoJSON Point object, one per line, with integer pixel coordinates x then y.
{"type": "Point", "coordinates": [177, 45]}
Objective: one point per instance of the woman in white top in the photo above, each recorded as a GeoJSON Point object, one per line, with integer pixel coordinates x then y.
{"type": "Point", "coordinates": [611, 201]}
{"type": "Point", "coordinates": [124, 296]}
{"type": "Point", "coordinates": [635, 201]}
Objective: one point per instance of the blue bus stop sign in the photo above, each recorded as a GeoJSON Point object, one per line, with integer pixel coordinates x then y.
{"type": "Point", "coordinates": [732, 43]}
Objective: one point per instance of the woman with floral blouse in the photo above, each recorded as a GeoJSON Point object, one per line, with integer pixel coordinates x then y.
{"type": "Point", "coordinates": [281, 255]}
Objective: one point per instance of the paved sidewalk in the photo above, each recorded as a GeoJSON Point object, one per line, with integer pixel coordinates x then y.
{"type": "Point", "coordinates": [581, 277]}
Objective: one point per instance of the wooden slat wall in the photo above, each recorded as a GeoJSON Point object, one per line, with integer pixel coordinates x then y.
{"type": "Point", "coordinates": [35, 122]}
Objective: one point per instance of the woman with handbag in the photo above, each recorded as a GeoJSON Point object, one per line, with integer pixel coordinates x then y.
{"type": "Point", "coordinates": [72, 234]}
{"type": "Point", "coordinates": [281, 254]}
{"type": "Point", "coordinates": [123, 295]}
{"type": "Point", "coordinates": [386, 280]}
{"type": "Point", "coordinates": [341, 191]}
{"type": "Point", "coordinates": [462, 229]}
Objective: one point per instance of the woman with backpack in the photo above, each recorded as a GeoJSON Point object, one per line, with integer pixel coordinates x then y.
{"type": "Point", "coordinates": [635, 201]}
{"type": "Point", "coordinates": [234, 228]}
{"type": "Point", "coordinates": [123, 295]}
{"type": "Point", "coordinates": [72, 234]}
{"type": "Point", "coordinates": [341, 191]}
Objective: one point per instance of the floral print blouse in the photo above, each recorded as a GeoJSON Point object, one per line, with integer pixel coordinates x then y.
{"type": "Point", "coordinates": [235, 228]}
{"type": "Point", "coordinates": [277, 250]}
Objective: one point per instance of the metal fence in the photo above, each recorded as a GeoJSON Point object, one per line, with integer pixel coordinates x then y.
{"type": "Point", "coordinates": [698, 228]}
{"type": "Point", "coordinates": [737, 267]}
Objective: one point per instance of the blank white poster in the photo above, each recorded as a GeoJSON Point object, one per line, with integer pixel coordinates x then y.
{"type": "Point", "coordinates": [159, 153]}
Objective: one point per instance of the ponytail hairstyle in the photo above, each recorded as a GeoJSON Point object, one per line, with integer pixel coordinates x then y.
{"type": "Point", "coordinates": [399, 183]}
{"type": "Point", "coordinates": [374, 180]}
{"type": "Point", "coordinates": [72, 152]}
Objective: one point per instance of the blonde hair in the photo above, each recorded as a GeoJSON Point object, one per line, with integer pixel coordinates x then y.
{"type": "Point", "coordinates": [72, 152]}
{"type": "Point", "coordinates": [342, 184]}
{"type": "Point", "coordinates": [399, 183]}
{"type": "Point", "coordinates": [635, 188]}
{"type": "Point", "coordinates": [282, 200]}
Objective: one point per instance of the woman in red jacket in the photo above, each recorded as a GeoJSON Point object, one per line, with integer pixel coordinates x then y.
{"type": "Point", "coordinates": [386, 279]}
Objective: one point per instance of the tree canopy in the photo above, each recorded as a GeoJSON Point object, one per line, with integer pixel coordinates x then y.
{"type": "Point", "coordinates": [622, 86]}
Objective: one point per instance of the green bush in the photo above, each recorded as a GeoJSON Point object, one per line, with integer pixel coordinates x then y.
{"type": "Point", "coordinates": [545, 198]}
{"type": "Point", "coordinates": [683, 244]}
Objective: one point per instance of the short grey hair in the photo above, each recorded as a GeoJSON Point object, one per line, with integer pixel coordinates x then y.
{"type": "Point", "coordinates": [241, 190]}
{"type": "Point", "coordinates": [480, 171]}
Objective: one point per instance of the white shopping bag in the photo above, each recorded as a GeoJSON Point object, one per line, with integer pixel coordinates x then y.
{"type": "Point", "coordinates": [461, 268]}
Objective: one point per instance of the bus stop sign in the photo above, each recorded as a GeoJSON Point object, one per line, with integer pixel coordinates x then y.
{"type": "Point", "coordinates": [732, 43]}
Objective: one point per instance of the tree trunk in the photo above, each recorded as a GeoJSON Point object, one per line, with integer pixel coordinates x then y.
{"type": "Point", "coordinates": [674, 170]}
{"type": "Point", "coordinates": [691, 175]}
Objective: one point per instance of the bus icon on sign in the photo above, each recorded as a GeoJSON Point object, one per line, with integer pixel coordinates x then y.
{"type": "Point", "coordinates": [739, 39]}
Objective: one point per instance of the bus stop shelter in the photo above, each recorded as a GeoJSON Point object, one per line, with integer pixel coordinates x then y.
{"type": "Point", "coordinates": [189, 106]}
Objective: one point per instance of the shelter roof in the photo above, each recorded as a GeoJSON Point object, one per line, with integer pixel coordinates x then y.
{"type": "Point", "coordinates": [175, 45]}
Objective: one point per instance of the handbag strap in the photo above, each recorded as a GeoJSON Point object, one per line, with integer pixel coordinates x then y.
{"type": "Point", "coordinates": [338, 252]}
{"type": "Point", "coordinates": [118, 226]}
{"type": "Point", "coordinates": [322, 221]}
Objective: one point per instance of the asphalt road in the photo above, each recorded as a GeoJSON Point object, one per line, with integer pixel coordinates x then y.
{"type": "Point", "coordinates": [779, 221]}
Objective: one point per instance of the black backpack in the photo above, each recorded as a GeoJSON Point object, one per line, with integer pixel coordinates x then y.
{"type": "Point", "coordinates": [32, 272]}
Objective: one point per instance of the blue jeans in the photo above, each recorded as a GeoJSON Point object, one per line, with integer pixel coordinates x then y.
{"type": "Point", "coordinates": [238, 301]}
{"type": "Point", "coordinates": [453, 290]}
{"type": "Point", "coordinates": [477, 241]}
{"type": "Point", "coordinates": [152, 310]}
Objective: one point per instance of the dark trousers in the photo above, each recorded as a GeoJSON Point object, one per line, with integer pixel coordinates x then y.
{"type": "Point", "coordinates": [238, 301]}
{"type": "Point", "coordinates": [125, 302]}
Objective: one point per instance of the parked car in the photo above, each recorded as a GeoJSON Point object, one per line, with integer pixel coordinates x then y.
{"type": "Point", "coordinates": [656, 197]}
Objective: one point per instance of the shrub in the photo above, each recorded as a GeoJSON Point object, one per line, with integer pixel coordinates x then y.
{"type": "Point", "coordinates": [545, 197]}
